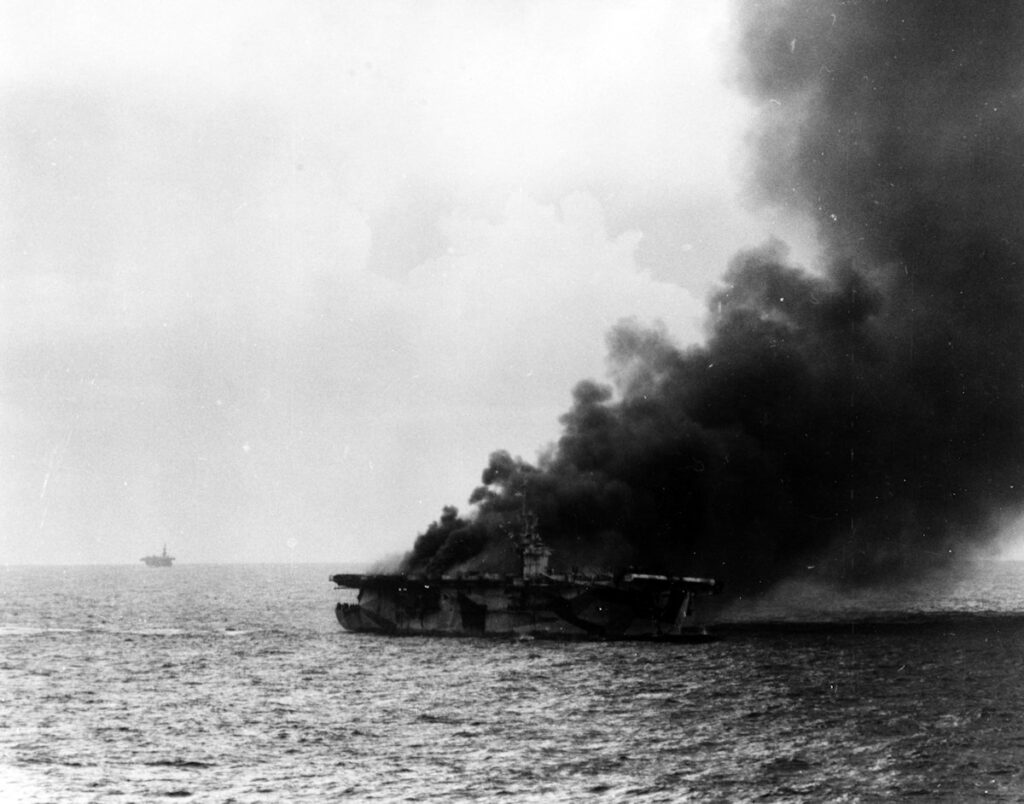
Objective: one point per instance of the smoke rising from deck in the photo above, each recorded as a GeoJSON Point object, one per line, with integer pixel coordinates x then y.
{"type": "Point", "coordinates": [866, 418]}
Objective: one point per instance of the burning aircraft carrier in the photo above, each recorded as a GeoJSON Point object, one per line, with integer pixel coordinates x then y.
{"type": "Point", "coordinates": [537, 603]}
{"type": "Point", "coordinates": [863, 416]}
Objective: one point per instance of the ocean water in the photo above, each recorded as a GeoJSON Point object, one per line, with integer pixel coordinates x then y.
{"type": "Point", "coordinates": [235, 683]}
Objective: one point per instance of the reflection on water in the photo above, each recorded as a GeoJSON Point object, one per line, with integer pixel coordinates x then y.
{"type": "Point", "coordinates": [235, 683]}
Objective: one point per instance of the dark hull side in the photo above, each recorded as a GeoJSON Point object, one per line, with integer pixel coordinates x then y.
{"type": "Point", "coordinates": [353, 618]}
{"type": "Point", "coordinates": [400, 607]}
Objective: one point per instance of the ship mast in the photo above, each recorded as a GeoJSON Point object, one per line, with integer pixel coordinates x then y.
{"type": "Point", "coordinates": [535, 554]}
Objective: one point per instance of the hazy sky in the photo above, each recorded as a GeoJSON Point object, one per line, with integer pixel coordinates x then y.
{"type": "Point", "coordinates": [278, 277]}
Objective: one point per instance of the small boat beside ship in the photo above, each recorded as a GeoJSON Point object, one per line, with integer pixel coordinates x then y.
{"type": "Point", "coordinates": [162, 560]}
{"type": "Point", "coordinates": [537, 604]}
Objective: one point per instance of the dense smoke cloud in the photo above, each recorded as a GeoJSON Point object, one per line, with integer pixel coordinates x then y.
{"type": "Point", "coordinates": [866, 418]}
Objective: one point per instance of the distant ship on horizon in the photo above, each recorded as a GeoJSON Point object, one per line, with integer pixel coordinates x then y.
{"type": "Point", "coordinates": [162, 560]}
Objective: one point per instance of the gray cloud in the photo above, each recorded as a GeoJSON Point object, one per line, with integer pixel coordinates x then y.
{"type": "Point", "coordinates": [277, 270]}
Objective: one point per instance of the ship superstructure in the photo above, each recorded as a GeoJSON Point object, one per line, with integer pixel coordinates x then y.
{"type": "Point", "coordinates": [537, 603]}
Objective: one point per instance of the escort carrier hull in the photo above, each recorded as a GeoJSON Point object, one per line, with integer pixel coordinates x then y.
{"type": "Point", "coordinates": [629, 607]}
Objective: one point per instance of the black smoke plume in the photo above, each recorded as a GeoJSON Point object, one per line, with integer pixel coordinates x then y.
{"type": "Point", "coordinates": [865, 418]}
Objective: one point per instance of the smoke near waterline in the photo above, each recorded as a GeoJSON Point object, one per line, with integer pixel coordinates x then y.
{"type": "Point", "coordinates": [866, 418]}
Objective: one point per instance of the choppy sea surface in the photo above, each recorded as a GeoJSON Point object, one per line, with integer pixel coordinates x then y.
{"type": "Point", "coordinates": [235, 683]}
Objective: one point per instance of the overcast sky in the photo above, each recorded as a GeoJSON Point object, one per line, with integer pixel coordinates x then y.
{"type": "Point", "coordinates": [278, 277]}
